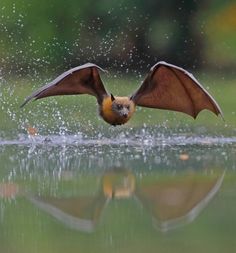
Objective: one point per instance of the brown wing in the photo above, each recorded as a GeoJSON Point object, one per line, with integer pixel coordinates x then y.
{"type": "Point", "coordinates": [84, 79]}
{"type": "Point", "coordinates": [170, 87]}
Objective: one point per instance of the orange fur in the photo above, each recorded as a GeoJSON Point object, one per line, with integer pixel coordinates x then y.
{"type": "Point", "coordinates": [112, 117]}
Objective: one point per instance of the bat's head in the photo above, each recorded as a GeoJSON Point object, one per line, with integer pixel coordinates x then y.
{"type": "Point", "coordinates": [122, 106]}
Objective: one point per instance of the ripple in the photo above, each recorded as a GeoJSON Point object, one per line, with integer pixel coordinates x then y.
{"type": "Point", "coordinates": [150, 141]}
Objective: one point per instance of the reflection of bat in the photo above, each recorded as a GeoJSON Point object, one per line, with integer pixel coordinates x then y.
{"type": "Point", "coordinates": [176, 201]}
{"type": "Point", "coordinates": [165, 87]}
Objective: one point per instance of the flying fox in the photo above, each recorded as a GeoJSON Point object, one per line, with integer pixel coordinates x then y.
{"type": "Point", "coordinates": [166, 86]}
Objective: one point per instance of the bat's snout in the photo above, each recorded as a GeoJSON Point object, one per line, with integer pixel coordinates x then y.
{"type": "Point", "coordinates": [124, 113]}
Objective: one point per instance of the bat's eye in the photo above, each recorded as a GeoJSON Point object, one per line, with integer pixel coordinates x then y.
{"type": "Point", "coordinates": [128, 107]}
{"type": "Point", "coordinates": [119, 107]}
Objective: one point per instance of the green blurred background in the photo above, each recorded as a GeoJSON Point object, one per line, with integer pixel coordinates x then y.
{"type": "Point", "coordinates": [120, 34]}
{"type": "Point", "coordinates": [40, 39]}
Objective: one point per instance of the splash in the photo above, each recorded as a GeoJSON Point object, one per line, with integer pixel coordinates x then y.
{"type": "Point", "coordinates": [123, 139]}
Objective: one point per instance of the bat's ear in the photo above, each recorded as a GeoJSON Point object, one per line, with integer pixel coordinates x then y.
{"type": "Point", "coordinates": [112, 98]}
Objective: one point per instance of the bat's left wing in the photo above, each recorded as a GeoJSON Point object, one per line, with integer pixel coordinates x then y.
{"type": "Point", "coordinates": [172, 88]}
{"type": "Point", "coordinates": [84, 79]}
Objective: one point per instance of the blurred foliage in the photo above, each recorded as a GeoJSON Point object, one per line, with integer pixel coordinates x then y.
{"type": "Point", "coordinates": [127, 35]}
{"type": "Point", "coordinates": [221, 39]}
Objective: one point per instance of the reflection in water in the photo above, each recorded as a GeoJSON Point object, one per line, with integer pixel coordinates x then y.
{"type": "Point", "coordinates": [171, 201]}
{"type": "Point", "coordinates": [175, 202]}
{"type": "Point", "coordinates": [62, 198]}
{"type": "Point", "coordinates": [8, 190]}
{"type": "Point", "coordinates": [80, 213]}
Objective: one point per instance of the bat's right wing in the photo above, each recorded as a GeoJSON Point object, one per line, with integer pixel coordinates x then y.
{"type": "Point", "coordinates": [84, 79]}
{"type": "Point", "coordinates": [173, 88]}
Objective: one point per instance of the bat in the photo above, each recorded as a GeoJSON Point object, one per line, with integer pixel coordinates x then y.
{"type": "Point", "coordinates": [166, 86]}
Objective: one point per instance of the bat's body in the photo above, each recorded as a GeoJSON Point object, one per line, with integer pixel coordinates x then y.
{"type": "Point", "coordinates": [165, 87]}
{"type": "Point", "coordinates": [117, 111]}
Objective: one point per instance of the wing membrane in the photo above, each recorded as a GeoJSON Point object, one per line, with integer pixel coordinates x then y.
{"type": "Point", "coordinates": [172, 88]}
{"type": "Point", "coordinates": [84, 79]}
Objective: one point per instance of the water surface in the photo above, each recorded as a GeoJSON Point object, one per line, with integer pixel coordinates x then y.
{"type": "Point", "coordinates": [167, 193]}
